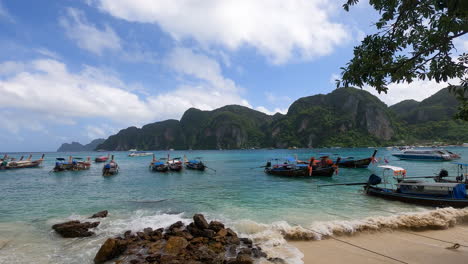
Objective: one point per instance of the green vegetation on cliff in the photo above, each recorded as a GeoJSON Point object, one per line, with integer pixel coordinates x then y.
{"type": "Point", "coordinates": [346, 117]}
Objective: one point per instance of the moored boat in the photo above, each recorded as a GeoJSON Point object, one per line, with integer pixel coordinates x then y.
{"type": "Point", "coordinates": [427, 155]}
{"type": "Point", "coordinates": [194, 164]}
{"type": "Point", "coordinates": [461, 176]}
{"type": "Point", "coordinates": [20, 164]}
{"type": "Point", "coordinates": [175, 164]}
{"type": "Point", "coordinates": [292, 167]}
{"type": "Point", "coordinates": [350, 162]}
{"type": "Point", "coordinates": [73, 164]}
{"type": "Point", "coordinates": [101, 159]}
{"type": "Point", "coordinates": [111, 168]}
{"type": "Point", "coordinates": [158, 166]}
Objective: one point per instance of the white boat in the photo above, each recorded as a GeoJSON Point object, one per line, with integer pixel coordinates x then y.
{"type": "Point", "coordinates": [465, 145]}
{"type": "Point", "coordinates": [140, 154]}
{"type": "Point", "coordinates": [426, 154]}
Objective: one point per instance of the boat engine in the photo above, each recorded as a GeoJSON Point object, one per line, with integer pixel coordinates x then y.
{"type": "Point", "coordinates": [268, 164]}
{"type": "Point", "coordinates": [443, 173]}
{"type": "Point", "coordinates": [374, 180]}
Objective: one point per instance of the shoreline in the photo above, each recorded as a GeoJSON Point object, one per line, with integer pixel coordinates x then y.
{"type": "Point", "coordinates": [405, 246]}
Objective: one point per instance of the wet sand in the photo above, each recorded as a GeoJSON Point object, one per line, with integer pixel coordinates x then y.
{"type": "Point", "coordinates": [401, 245]}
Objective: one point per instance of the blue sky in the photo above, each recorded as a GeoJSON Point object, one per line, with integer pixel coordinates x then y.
{"type": "Point", "coordinates": [79, 70]}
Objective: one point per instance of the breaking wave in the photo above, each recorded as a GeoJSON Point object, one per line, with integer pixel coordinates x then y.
{"type": "Point", "coordinates": [434, 219]}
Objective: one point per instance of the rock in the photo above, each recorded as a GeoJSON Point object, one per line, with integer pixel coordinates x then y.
{"type": "Point", "coordinates": [244, 259]}
{"type": "Point", "coordinates": [101, 214]}
{"type": "Point", "coordinates": [277, 260]}
{"type": "Point", "coordinates": [208, 233]}
{"type": "Point", "coordinates": [222, 233]}
{"type": "Point", "coordinates": [258, 253]}
{"type": "Point", "coordinates": [200, 221]}
{"type": "Point", "coordinates": [175, 245]}
{"type": "Point", "coordinates": [216, 226]}
{"type": "Point", "coordinates": [180, 244]}
{"type": "Point", "coordinates": [246, 241]}
{"type": "Point", "coordinates": [109, 250]}
{"type": "Point", "coordinates": [75, 229]}
{"type": "Point", "coordinates": [156, 247]}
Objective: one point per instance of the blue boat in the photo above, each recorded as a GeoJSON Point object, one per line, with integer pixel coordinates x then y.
{"type": "Point", "coordinates": [194, 164]}
{"type": "Point", "coordinates": [427, 155]}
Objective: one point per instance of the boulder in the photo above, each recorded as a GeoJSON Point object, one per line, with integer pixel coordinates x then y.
{"type": "Point", "coordinates": [72, 229]}
{"type": "Point", "coordinates": [175, 245]}
{"type": "Point", "coordinates": [216, 226]}
{"type": "Point", "coordinates": [244, 259]}
{"type": "Point", "coordinates": [101, 214]}
{"type": "Point", "coordinates": [200, 221]}
{"type": "Point", "coordinates": [109, 250]}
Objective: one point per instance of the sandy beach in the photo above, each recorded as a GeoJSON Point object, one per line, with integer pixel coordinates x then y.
{"type": "Point", "coordinates": [403, 246]}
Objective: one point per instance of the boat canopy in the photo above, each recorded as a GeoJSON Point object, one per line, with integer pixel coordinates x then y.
{"type": "Point", "coordinates": [393, 168]}
{"type": "Point", "coordinates": [194, 161]}
{"type": "Point", "coordinates": [158, 163]}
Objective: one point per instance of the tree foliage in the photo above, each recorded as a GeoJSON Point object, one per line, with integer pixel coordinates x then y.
{"type": "Point", "coordinates": [414, 41]}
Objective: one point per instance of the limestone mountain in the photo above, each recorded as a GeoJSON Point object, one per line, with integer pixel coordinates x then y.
{"type": "Point", "coordinates": [77, 147]}
{"type": "Point", "coordinates": [345, 117]}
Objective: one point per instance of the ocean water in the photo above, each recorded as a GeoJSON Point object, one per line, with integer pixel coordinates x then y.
{"type": "Point", "coordinates": [263, 207]}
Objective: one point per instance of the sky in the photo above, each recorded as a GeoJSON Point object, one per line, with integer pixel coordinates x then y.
{"type": "Point", "coordinates": [76, 70]}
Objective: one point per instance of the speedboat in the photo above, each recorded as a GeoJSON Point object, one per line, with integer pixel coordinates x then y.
{"type": "Point", "coordinates": [428, 155]}
{"type": "Point", "coordinates": [140, 154]}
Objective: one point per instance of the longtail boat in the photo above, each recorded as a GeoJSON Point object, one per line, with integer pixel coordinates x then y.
{"type": "Point", "coordinates": [111, 168]}
{"type": "Point", "coordinates": [174, 164]}
{"type": "Point", "coordinates": [295, 168]}
{"type": "Point", "coordinates": [436, 194]}
{"type": "Point", "coordinates": [73, 164]}
{"type": "Point", "coordinates": [194, 164]}
{"type": "Point", "coordinates": [350, 162]}
{"type": "Point", "coordinates": [158, 166]}
{"type": "Point", "coordinates": [20, 164]}
{"type": "Point", "coordinates": [102, 158]}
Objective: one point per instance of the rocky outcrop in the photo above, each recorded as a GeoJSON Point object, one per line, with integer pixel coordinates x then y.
{"type": "Point", "coordinates": [197, 243]}
{"type": "Point", "coordinates": [76, 228]}
{"type": "Point", "coordinates": [101, 214]}
{"type": "Point", "coordinates": [72, 229]}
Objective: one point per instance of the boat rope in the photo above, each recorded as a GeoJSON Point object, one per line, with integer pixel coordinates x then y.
{"type": "Point", "coordinates": [455, 245]}
{"type": "Point", "coordinates": [357, 246]}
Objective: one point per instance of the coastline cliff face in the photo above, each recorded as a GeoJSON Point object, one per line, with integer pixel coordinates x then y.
{"type": "Point", "coordinates": [346, 117]}
{"type": "Point", "coordinates": [77, 147]}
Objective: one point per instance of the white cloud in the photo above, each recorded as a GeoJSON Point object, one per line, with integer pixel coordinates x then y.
{"type": "Point", "coordinates": [99, 131]}
{"type": "Point", "coordinates": [48, 53]}
{"type": "Point", "coordinates": [278, 29]}
{"type": "Point", "coordinates": [417, 90]}
{"type": "Point", "coordinates": [86, 35]}
{"type": "Point", "coordinates": [13, 124]}
{"type": "Point", "coordinates": [47, 87]}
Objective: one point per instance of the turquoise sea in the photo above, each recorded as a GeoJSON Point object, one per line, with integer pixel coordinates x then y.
{"type": "Point", "coordinates": [260, 206]}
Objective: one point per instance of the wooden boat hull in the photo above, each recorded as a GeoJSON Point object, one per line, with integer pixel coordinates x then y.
{"type": "Point", "coordinates": [302, 172]}
{"type": "Point", "coordinates": [160, 168]}
{"type": "Point", "coordinates": [72, 167]}
{"type": "Point", "coordinates": [32, 164]}
{"type": "Point", "coordinates": [104, 159]}
{"type": "Point", "coordinates": [191, 166]}
{"type": "Point", "coordinates": [362, 163]}
{"type": "Point", "coordinates": [175, 167]}
{"type": "Point", "coordinates": [407, 198]}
